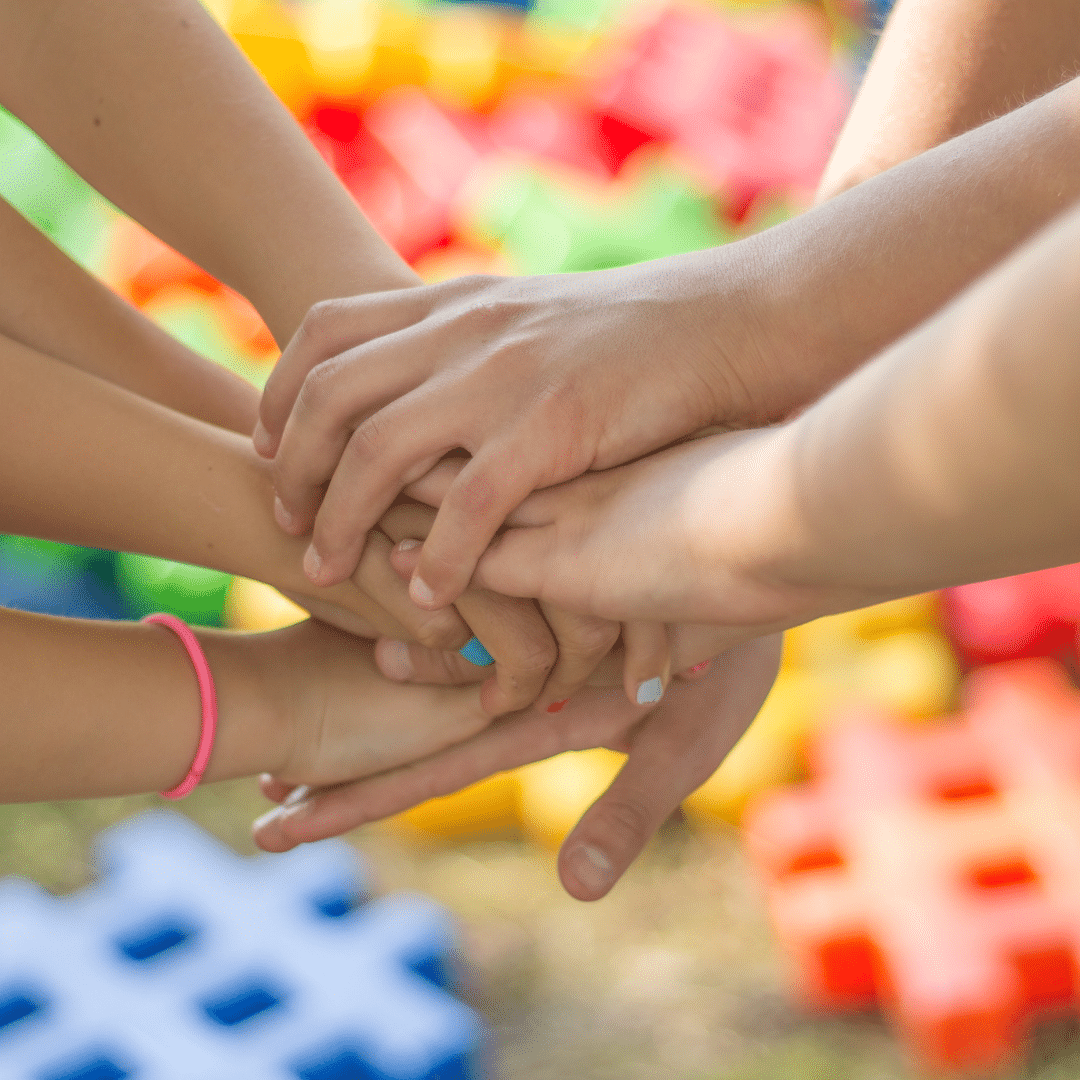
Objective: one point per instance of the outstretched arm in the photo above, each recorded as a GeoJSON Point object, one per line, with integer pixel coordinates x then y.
{"type": "Point", "coordinates": [156, 108]}
{"type": "Point", "coordinates": [943, 67]}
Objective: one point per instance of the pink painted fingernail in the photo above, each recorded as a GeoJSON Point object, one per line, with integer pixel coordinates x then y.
{"type": "Point", "coordinates": [591, 867]}
{"type": "Point", "coordinates": [408, 545]}
{"type": "Point", "coordinates": [394, 660]}
{"type": "Point", "coordinates": [313, 564]}
{"type": "Point", "coordinates": [421, 592]}
{"type": "Point", "coordinates": [699, 667]}
{"type": "Point", "coordinates": [557, 706]}
{"type": "Point", "coordinates": [284, 518]}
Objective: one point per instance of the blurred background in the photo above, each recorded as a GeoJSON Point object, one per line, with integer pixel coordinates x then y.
{"type": "Point", "coordinates": [568, 135]}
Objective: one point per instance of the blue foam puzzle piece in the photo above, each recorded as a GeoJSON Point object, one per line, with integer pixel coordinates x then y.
{"type": "Point", "coordinates": [186, 960]}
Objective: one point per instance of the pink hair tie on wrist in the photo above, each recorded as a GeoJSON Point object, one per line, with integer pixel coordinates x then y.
{"type": "Point", "coordinates": [209, 703]}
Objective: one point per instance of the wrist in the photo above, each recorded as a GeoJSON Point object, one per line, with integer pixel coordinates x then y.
{"type": "Point", "coordinates": [253, 734]}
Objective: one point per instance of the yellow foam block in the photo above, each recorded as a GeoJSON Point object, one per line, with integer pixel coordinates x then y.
{"type": "Point", "coordinates": [254, 607]}
{"type": "Point", "coordinates": [339, 36]}
{"type": "Point", "coordinates": [826, 642]}
{"type": "Point", "coordinates": [491, 806]}
{"type": "Point", "coordinates": [271, 40]}
{"type": "Point", "coordinates": [463, 47]}
{"type": "Point", "coordinates": [555, 793]}
{"type": "Point", "coordinates": [912, 673]}
{"type": "Point", "coordinates": [398, 55]}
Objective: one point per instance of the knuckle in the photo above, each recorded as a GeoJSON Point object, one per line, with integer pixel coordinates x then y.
{"type": "Point", "coordinates": [318, 390]}
{"type": "Point", "coordinates": [315, 326]}
{"type": "Point", "coordinates": [476, 494]}
{"type": "Point", "coordinates": [438, 632]}
{"type": "Point", "coordinates": [624, 824]}
{"type": "Point", "coordinates": [592, 639]}
{"type": "Point", "coordinates": [535, 658]}
{"type": "Point", "coordinates": [368, 441]}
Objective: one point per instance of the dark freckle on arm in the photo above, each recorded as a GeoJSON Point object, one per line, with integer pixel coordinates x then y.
{"type": "Point", "coordinates": [97, 121]}
{"type": "Point", "coordinates": [184, 23]}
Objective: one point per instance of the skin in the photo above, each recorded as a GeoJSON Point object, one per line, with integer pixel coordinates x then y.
{"type": "Point", "coordinates": [543, 379]}
{"type": "Point", "coordinates": [942, 219]}
{"type": "Point", "coordinates": [68, 71]}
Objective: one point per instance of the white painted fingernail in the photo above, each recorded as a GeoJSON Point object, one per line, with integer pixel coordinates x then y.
{"type": "Point", "coordinates": [421, 592]}
{"type": "Point", "coordinates": [591, 867]}
{"type": "Point", "coordinates": [270, 817]}
{"type": "Point", "coordinates": [650, 691]}
{"type": "Point", "coordinates": [408, 545]}
{"type": "Point", "coordinates": [394, 660]}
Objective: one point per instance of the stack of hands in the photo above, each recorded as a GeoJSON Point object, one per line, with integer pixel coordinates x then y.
{"type": "Point", "coordinates": [624, 483]}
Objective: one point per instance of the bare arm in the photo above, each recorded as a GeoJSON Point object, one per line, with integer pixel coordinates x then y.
{"type": "Point", "coordinates": [51, 304]}
{"type": "Point", "coordinates": [943, 67]}
{"type": "Point", "coordinates": [159, 111]}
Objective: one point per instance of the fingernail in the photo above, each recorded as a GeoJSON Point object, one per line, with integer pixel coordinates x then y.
{"type": "Point", "coordinates": [260, 437]}
{"type": "Point", "coordinates": [591, 867]}
{"type": "Point", "coordinates": [395, 662]}
{"type": "Point", "coordinates": [557, 706]}
{"type": "Point", "coordinates": [473, 650]}
{"type": "Point", "coordinates": [284, 518]}
{"type": "Point", "coordinates": [650, 691]}
{"type": "Point", "coordinates": [408, 545]}
{"type": "Point", "coordinates": [271, 817]}
{"type": "Point", "coordinates": [421, 592]}
{"type": "Point", "coordinates": [699, 667]}
{"type": "Point", "coordinates": [312, 563]}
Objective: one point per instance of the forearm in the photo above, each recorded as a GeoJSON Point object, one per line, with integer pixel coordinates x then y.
{"type": "Point", "coordinates": [161, 113]}
{"type": "Point", "coordinates": [124, 715]}
{"type": "Point", "coordinates": [952, 457]}
{"type": "Point", "coordinates": [943, 67]}
{"type": "Point", "coordinates": [831, 288]}
{"type": "Point", "coordinates": [51, 304]}
{"type": "Point", "coordinates": [86, 462]}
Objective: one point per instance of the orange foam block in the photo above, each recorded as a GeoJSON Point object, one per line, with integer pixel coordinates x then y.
{"type": "Point", "coordinates": [936, 871]}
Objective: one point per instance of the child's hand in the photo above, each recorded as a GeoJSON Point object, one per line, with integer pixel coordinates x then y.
{"type": "Point", "coordinates": [676, 536]}
{"type": "Point", "coordinates": [672, 751]}
{"type": "Point", "coordinates": [543, 653]}
{"type": "Point", "coordinates": [539, 379]}
{"type": "Point", "coordinates": [338, 716]}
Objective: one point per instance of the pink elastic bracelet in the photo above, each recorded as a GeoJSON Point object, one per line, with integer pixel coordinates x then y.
{"type": "Point", "coordinates": [209, 703]}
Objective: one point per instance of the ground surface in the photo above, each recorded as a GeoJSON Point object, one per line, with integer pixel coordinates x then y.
{"type": "Point", "coordinates": [673, 977]}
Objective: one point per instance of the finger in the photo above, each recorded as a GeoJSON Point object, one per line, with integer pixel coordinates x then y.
{"type": "Point", "coordinates": [273, 789]}
{"type": "Point", "coordinates": [337, 397]}
{"type": "Point", "coordinates": [593, 718]}
{"type": "Point", "coordinates": [647, 669]}
{"type": "Point", "coordinates": [432, 487]}
{"type": "Point", "coordinates": [494, 482]}
{"type": "Point", "coordinates": [403, 661]}
{"type": "Point", "coordinates": [517, 636]}
{"type": "Point", "coordinates": [385, 452]}
{"type": "Point", "coordinates": [377, 578]}
{"type": "Point", "coordinates": [673, 752]}
{"type": "Point", "coordinates": [329, 328]}
{"type": "Point", "coordinates": [583, 641]}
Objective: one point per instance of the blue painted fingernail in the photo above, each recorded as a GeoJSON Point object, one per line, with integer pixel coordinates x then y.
{"type": "Point", "coordinates": [476, 654]}
{"type": "Point", "coordinates": [650, 692]}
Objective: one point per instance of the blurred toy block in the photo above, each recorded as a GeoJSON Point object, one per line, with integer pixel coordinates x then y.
{"type": "Point", "coordinates": [340, 38]}
{"type": "Point", "coordinates": [58, 579]}
{"type": "Point", "coordinates": [556, 792]}
{"type": "Point", "coordinates": [1009, 618]}
{"type": "Point", "coordinates": [551, 222]}
{"type": "Point", "coordinates": [490, 807]}
{"type": "Point", "coordinates": [186, 960]}
{"type": "Point", "coordinates": [270, 37]}
{"type": "Point", "coordinates": [560, 129]}
{"type": "Point", "coordinates": [936, 871]}
{"type": "Point", "coordinates": [463, 46]}
{"type": "Point", "coordinates": [253, 606]}
{"type": "Point", "coordinates": [144, 270]}
{"type": "Point", "coordinates": [192, 593]}
{"type": "Point", "coordinates": [892, 656]}
{"type": "Point", "coordinates": [753, 112]}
